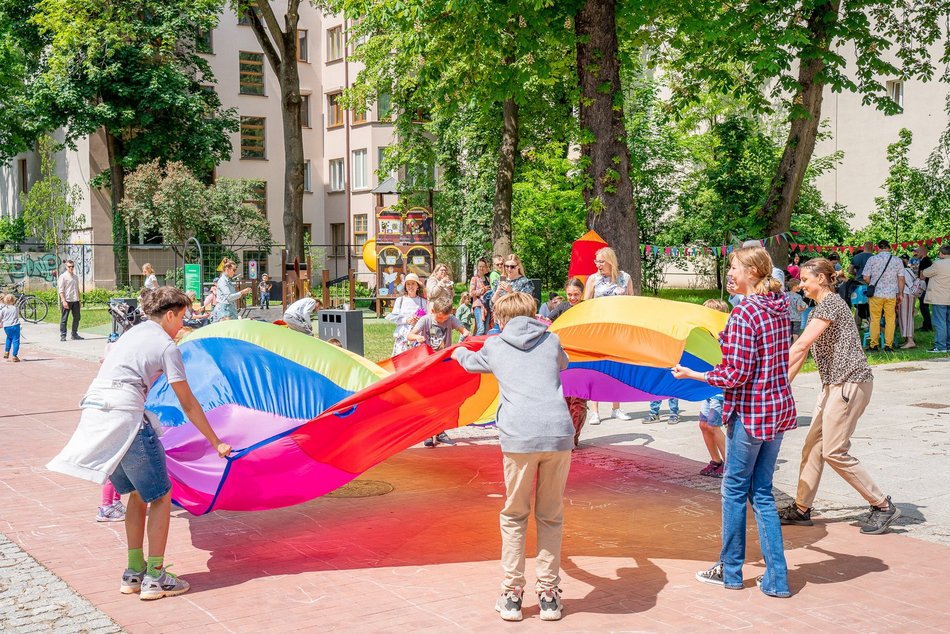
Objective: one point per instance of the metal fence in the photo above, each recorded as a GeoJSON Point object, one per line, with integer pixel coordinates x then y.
{"type": "Point", "coordinates": [95, 263]}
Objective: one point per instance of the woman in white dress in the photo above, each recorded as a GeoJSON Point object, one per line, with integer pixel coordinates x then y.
{"type": "Point", "coordinates": [608, 281]}
{"type": "Point", "coordinates": [406, 312]}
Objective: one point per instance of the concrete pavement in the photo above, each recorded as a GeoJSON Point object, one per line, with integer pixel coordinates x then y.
{"type": "Point", "coordinates": [639, 523]}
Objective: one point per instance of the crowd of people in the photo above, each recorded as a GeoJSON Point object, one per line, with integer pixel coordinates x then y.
{"type": "Point", "coordinates": [743, 426]}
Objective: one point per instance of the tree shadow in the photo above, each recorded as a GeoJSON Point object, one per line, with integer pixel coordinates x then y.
{"type": "Point", "coordinates": [444, 510]}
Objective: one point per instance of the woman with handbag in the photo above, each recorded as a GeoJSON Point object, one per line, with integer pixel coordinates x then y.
{"type": "Point", "coordinates": [913, 288]}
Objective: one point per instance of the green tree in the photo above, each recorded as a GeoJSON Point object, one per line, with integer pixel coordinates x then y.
{"type": "Point", "coordinates": [279, 44]}
{"type": "Point", "coordinates": [172, 200]}
{"type": "Point", "coordinates": [770, 51]}
{"type": "Point", "coordinates": [49, 207]}
{"type": "Point", "coordinates": [130, 69]}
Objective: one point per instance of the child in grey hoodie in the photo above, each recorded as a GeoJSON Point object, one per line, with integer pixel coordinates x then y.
{"type": "Point", "coordinates": [536, 434]}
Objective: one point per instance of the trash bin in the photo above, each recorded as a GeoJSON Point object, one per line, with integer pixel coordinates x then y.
{"type": "Point", "coordinates": [344, 325]}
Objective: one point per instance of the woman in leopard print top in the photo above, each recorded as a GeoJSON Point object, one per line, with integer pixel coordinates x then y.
{"type": "Point", "coordinates": [846, 381]}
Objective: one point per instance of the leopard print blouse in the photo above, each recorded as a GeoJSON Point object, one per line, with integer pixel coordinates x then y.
{"type": "Point", "coordinates": [837, 350]}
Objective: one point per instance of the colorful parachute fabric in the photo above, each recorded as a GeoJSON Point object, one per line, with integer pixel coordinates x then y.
{"type": "Point", "coordinates": [306, 417]}
{"type": "Point", "coordinates": [621, 348]}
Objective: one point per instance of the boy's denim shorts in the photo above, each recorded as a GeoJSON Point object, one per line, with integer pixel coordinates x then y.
{"type": "Point", "coordinates": [710, 412]}
{"type": "Point", "coordinates": [142, 468]}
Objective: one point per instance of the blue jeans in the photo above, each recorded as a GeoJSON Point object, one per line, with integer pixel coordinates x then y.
{"type": "Point", "coordinates": [13, 338]}
{"type": "Point", "coordinates": [142, 468]}
{"type": "Point", "coordinates": [265, 300]}
{"type": "Point", "coordinates": [480, 318]}
{"type": "Point", "coordinates": [940, 315]}
{"type": "Point", "coordinates": [750, 463]}
{"type": "Point", "coordinates": [674, 407]}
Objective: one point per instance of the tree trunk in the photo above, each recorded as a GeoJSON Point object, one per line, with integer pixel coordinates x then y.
{"type": "Point", "coordinates": [501, 209]}
{"type": "Point", "coordinates": [280, 48]}
{"type": "Point", "coordinates": [115, 150]}
{"type": "Point", "coordinates": [608, 192]}
{"type": "Point", "coordinates": [806, 115]}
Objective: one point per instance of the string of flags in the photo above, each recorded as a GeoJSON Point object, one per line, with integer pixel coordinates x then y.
{"type": "Point", "coordinates": [722, 249]}
{"type": "Point", "coordinates": [725, 249]}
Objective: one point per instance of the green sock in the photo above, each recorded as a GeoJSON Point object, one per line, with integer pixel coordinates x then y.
{"type": "Point", "coordinates": [154, 566]}
{"type": "Point", "coordinates": [136, 559]}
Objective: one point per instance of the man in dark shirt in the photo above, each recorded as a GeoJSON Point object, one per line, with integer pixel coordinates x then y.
{"type": "Point", "coordinates": [924, 264]}
{"type": "Point", "coordinates": [857, 270]}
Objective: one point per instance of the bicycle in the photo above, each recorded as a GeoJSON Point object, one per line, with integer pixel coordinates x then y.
{"type": "Point", "coordinates": [32, 308]}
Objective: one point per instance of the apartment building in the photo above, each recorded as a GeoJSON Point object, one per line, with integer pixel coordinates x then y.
{"type": "Point", "coordinates": [342, 148]}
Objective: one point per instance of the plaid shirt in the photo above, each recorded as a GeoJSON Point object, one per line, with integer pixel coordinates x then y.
{"type": "Point", "coordinates": [754, 369]}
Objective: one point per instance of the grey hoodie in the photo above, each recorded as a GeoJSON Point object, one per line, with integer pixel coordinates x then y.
{"type": "Point", "coordinates": [527, 361]}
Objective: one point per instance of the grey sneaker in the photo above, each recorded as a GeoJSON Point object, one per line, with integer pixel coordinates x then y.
{"type": "Point", "coordinates": [879, 520]}
{"type": "Point", "coordinates": [712, 575]}
{"type": "Point", "coordinates": [674, 419]}
{"type": "Point", "coordinates": [651, 418]}
{"type": "Point", "coordinates": [550, 603]}
{"type": "Point", "coordinates": [444, 439]}
{"type": "Point", "coordinates": [509, 605]}
{"type": "Point", "coordinates": [131, 581]}
{"type": "Point", "coordinates": [791, 515]}
{"type": "Point", "coordinates": [164, 585]}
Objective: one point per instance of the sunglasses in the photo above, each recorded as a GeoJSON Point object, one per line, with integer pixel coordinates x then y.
{"type": "Point", "coordinates": [511, 266]}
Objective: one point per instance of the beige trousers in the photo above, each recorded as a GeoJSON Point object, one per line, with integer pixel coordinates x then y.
{"type": "Point", "coordinates": [877, 306]}
{"type": "Point", "coordinates": [829, 440]}
{"type": "Point", "coordinates": [551, 469]}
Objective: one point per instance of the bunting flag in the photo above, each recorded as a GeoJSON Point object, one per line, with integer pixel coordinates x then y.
{"type": "Point", "coordinates": [813, 249]}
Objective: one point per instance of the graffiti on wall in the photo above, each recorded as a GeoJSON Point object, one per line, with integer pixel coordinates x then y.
{"type": "Point", "coordinates": [41, 269]}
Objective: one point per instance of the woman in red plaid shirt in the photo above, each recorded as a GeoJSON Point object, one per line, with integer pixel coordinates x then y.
{"type": "Point", "coordinates": [759, 409]}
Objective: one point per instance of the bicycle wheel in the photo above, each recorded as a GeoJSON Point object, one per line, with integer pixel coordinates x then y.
{"type": "Point", "coordinates": [33, 309]}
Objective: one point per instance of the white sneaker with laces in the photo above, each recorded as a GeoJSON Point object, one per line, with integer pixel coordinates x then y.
{"type": "Point", "coordinates": [620, 415]}
{"type": "Point", "coordinates": [550, 603]}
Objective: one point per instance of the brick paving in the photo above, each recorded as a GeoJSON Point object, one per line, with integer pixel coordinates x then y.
{"type": "Point", "coordinates": [425, 556]}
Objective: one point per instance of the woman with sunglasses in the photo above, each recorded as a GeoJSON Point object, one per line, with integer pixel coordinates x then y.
{"type": "Point", "coordinates": [513, 280]}
{"type": "Point", "coordinates": [608, 281]}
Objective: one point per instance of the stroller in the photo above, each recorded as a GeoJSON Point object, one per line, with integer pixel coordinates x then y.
{"type": "Point", "coordinates": [125, 314]}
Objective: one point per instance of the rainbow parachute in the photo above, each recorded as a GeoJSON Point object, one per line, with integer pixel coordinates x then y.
{"type": "Point", "coordinates": [306, 417]}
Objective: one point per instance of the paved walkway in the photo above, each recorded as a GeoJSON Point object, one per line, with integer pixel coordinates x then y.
{"type": "Point", "coordinates": [638, 525]}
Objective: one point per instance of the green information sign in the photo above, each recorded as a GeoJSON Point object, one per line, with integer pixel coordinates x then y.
{"type": "Point", "coordinates": [193, 279]}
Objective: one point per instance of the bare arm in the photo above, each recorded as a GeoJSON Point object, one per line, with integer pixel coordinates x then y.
{"type": "Point", "coordinates": [799, 350]}
{"type": "Point", "coordinates": [192, 409]}
{"type": "Point", "coordinates": [589, 288]}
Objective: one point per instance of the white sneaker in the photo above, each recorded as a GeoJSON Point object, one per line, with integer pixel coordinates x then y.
{"type": "Point", "coordinates": [164, 585]}
{"type": "Point", "coordinates": [620, 415]}
{"type": "Point", "coordinates": [593, 418]}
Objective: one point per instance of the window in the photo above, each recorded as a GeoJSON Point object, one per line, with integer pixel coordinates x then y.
{"type": "Point", "coordinates": [307, 176]}
{"type": "Point", "coordinates": [895, 90]}
{"type": "Point", "coordinates": [307, 234]}
{"type": "Point", "coordinates": [204, 43]}
{"type": "Point", "coordinates": [303, 46]}
{"type": "Point", "coordinates": [336, 175]}
{"type": "Point", "coordinates": [360, 224]}
{"type": "Point", "coordinates": [259, 196]}
{"type": "Point", "coordinates": [244, 19]}
{"type": "Point", "coordinates": [334, 111]}
{"type": "Point", "coordinates": [383, 106]}
{"type": "Point", "coordinates": [334, 44]}
{"type": "Point", "coordinates": [251, 73]}
{"type": "Point", "coordinates": [337, 240]}
{"type": "Point", "coordinates": [252, 138]}
{"type": "Point", "coordinates": [359, 169]}
{"type": "Point", "coordinates": [305, 111]}
{"type": "Point", "coordinates": [24, 176]}
{"type": "Point", "coordinates": [359, 113]}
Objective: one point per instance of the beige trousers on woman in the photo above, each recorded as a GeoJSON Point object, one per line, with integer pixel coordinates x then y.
{"type": "Point", "coordinates": [521, 469]}
{"type": "Point", "coordinates": [829, 441]}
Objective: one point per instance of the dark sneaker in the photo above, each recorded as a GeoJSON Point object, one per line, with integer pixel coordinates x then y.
{"type": "Point", "coordinates": [78, 338]}
{"type": "Point", "coordinates": [62, 337]}
{"type": "Point", "coordinates": [712, 470]}
{"type": "Point", "coordinates": [712, 576]}
{"type": "Point", "coordinates": [444, 439]}
{"type": "Point", "coordinates": [550, 603]}
{"type": "Point", "coordinates": [509, 605]}
{"type": "Point", "coordinates": [164, 585]}
{"type": "Point", "coordinates": [936, 351]}
{"type": "Point", "coordinates": [879, 520]}
{"type": "Point", "coordinates": [888, 349]}
{"type": "Point", "coordinates": [791, 515]}
{"type": "Point", "coordinates": [651, 418]}
{"type": "Point", "coordinates": [430, 442]}
{"type": "Point", "coordinates": [674, 419]}
{"type": "Point", "coordinates": [131, 581]}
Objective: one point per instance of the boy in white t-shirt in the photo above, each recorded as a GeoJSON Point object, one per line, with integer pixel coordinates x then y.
{"type": "Point", "coordinates": [116, 439]}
